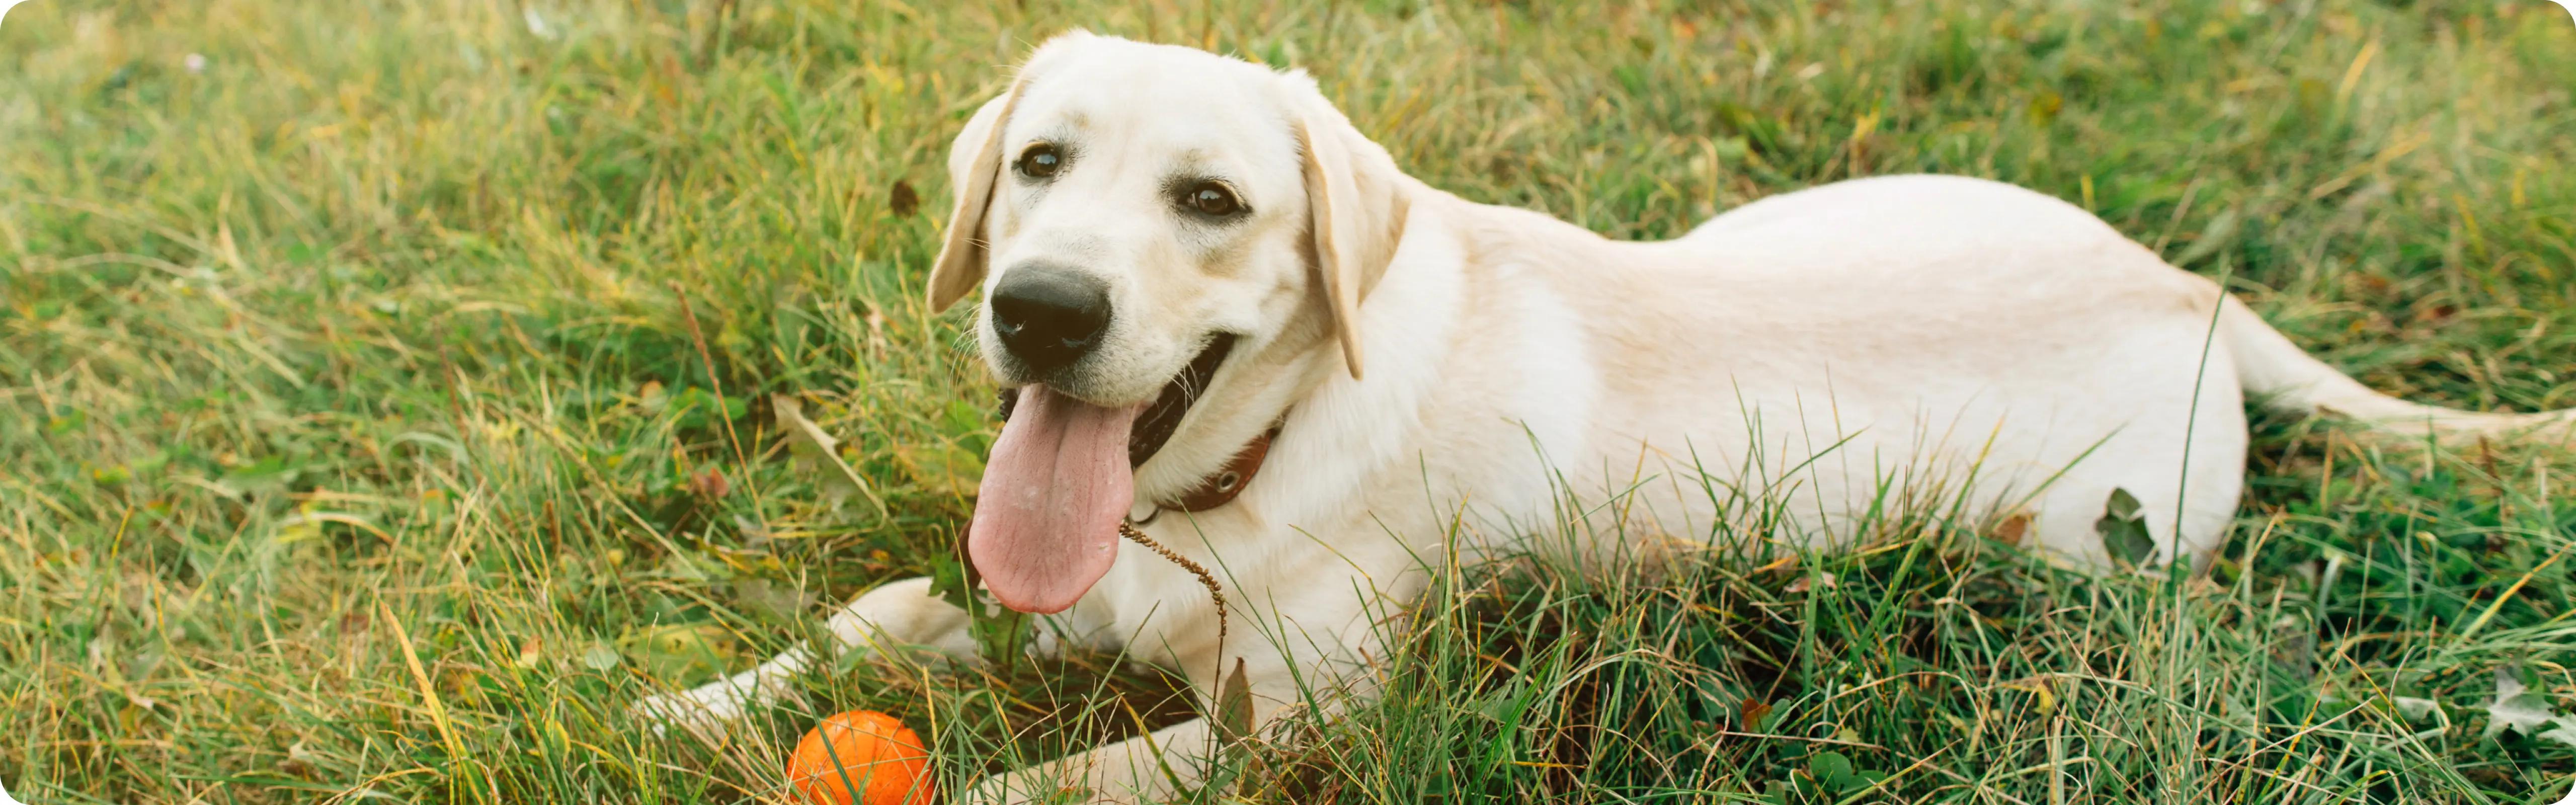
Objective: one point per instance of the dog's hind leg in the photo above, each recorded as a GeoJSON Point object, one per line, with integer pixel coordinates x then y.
{"type": "Point", "coordinates": [896, 614]}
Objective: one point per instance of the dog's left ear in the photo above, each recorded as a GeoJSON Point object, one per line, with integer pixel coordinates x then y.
{"type": "Point", "coordinates": [1356, 204]}
{"type": "Point", "coordinates": [974, 164]}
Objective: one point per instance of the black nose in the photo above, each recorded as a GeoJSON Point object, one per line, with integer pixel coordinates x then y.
{"type": "Point", "coordinates": [1049, 316]}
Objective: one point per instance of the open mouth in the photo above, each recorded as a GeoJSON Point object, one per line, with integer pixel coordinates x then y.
{"type": "Point", "coordinates": [1054, 490]}
{"type": "Point", "coordinates": [1154, 427]}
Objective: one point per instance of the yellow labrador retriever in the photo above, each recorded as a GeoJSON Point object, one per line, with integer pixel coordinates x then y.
{"type": "Point", "coordinates": [1230, 320]}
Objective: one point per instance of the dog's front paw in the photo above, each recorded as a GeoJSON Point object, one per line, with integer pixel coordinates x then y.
{"type": "Point", "coordinates": [714, 705]}
{"type": "Point", "coordinates": [703, 710]}
{"type": "Point", "coordinates": [1043, 785]}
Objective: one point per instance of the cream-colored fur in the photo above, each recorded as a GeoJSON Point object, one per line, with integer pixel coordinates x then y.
{"type": "Point", "coordinates": [1947, 337]}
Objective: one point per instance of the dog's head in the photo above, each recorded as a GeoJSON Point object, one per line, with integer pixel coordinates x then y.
{"type": "Point", "coordinates": [1145, 220]}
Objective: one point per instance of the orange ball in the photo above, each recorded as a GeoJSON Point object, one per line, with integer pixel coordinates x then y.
{"type": "Point", "coordinates": [861, 757]}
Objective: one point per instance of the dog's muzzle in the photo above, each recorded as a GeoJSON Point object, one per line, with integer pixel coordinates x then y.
{"type": "Point", "coordinates": [1049, 316]}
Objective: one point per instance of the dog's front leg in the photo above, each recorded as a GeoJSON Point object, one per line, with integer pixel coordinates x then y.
{"type": "Point", "coordinates": [1166, 763]}
{"type": "Point", "coordinates": [899, 613]}
{"type": "Point", "coordinates": [1147, 768]}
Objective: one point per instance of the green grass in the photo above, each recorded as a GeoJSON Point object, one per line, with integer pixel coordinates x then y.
{"type": "Point", "coordinates": [363, 396]}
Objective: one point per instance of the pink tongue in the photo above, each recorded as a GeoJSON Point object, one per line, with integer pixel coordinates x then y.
{"type": "Point", "coordinates": [1046, 517]}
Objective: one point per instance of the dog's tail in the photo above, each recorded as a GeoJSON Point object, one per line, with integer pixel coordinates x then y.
{"type": "Point", "coordinates": [2286, 378]}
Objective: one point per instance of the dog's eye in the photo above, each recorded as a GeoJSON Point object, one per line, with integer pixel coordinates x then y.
{"type": "Point", "coordinates": [1212, 199]}
{"type": "Point", "coordinates": [1040, 161]}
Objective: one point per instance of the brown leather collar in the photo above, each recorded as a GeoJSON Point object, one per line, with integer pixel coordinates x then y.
{"type": "Point", "coordinates": [1229, 481]}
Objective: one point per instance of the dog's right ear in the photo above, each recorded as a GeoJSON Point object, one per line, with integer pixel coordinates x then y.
{"type": "Point", "coordinates": [974, 164]}
{"type": "Point", "coordinates": [974, 167]}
